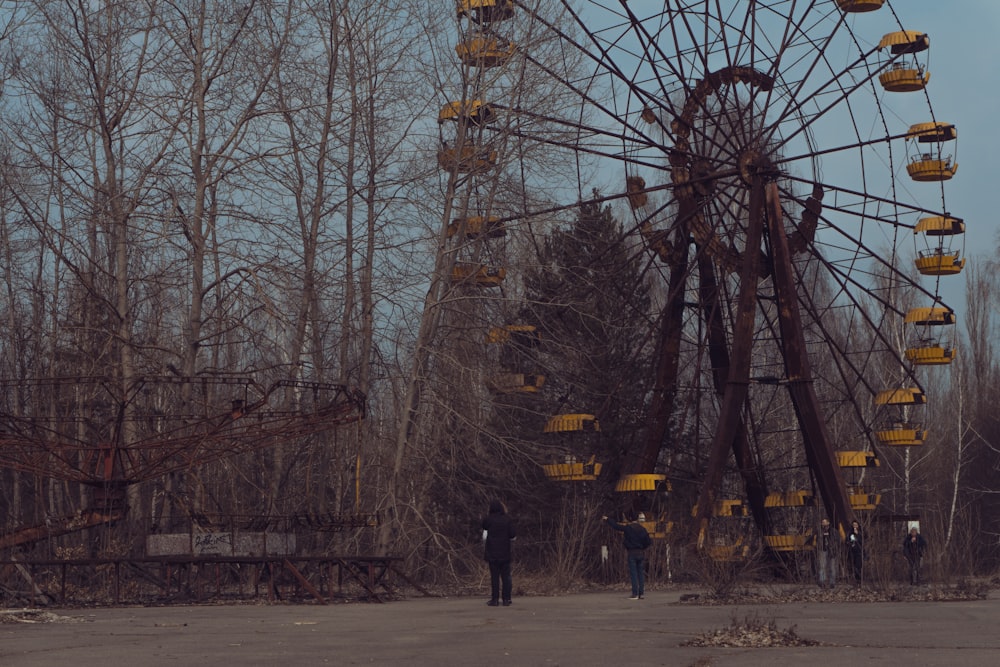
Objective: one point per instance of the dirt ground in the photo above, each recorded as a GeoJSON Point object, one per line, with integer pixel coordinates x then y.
{"type": "Point", "coordinates": [597, 628]}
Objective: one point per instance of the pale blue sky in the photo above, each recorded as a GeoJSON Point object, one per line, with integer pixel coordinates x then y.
{"type": "Point", "coordinates": [965, 90]}
{"type": "Point", "coordinates": [964, 63]}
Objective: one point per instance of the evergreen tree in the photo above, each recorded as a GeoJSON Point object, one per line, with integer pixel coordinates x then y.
{"type": "Point", "coordinates": [590, 299]}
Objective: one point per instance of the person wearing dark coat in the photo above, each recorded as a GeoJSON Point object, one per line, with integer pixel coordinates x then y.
{"type": "Point", "coordinates": [827, 546]}
{"type": "Point", "coordinates": [635, 540]}
{"type": "Point", "coordinates": [856, 550]}
{"type": "Point", "coordinates": [913, 548]}
{"type": "Point", "coordinates": [498, 533]}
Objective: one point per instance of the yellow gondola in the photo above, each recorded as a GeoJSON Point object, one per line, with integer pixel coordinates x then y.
{"type": "Point", "coordinates": [901, 432]}
{"type": "Point", "coordinates": [929, 162]}
{"type": "Point", "coordinates": [939, 258]}
{"type": "Point", "coordinates": [904, 77]}
{"type": "Point", "coordinates": [926, 348]}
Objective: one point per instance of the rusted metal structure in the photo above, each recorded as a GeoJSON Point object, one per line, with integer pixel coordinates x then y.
{"type": "Point", "coordinates": [91, 431]}
{"type": "Point", "coordinates": [747, 156]}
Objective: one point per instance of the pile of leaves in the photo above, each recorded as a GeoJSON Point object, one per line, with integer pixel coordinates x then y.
{"type": "Point", "coordinates": [751, 632]}
{"type": "Point", "coordinates": [842, 593]}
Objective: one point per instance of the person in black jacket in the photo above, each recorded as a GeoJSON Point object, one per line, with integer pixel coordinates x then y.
{"type": "Point", "coordinates": [498, 533]}
{"type": "Point", "coordinates": [913, 548]}
{"type": "Point", "coordinates": [856, 550]}
{"type": "Point", "coordinates": [635, 540]}
{"type": "Point", "coordinates": [827, 546]}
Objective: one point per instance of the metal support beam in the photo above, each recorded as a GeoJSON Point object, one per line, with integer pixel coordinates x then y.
{"type": "Point", "coordinates": [737, 384]}
{"type": "Point", "coordinates": [819, 451]}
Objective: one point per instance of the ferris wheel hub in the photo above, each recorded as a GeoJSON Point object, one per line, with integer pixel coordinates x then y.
{"type": "Point", "coordinates": [755, 164]}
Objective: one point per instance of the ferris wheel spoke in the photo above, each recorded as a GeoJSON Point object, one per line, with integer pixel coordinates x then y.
{"type": "Point", "coordinates": [691, 107]}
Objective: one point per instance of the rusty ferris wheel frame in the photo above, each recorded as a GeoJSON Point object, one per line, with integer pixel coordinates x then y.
{"type": "Point", "coordinates": [719, 117]}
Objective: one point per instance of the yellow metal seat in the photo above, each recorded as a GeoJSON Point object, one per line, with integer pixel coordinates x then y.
{"type": "Point", "coordinates": [860, 5]}
{"type": "Point", "coordinates": [904, 79]}
{"type": "Point", "coordinates": [790, 499]}
{"type": "Point", "coordinates": [729, 507]}
{"type": "Point", "coordinates": [572, 423]}
{"type": "Point", "coordinates": [484, 51]}
{"type": "Point", "coordinates": [857, 459]}
{"type": "Point", "coordinates": [571, 470]}
{"type": "Point", "coordinates": [800, 542]}
{"type": "Point", "coordinates": [902, 435]}
{"type": "Point", "coordinates": [927, 167]}
{"type": "Point", "coordinates": [939, 263]}
{"type": "Point", "coordinates": [860, 499]}
{"type": "Point", "coordinates": [931, 355]}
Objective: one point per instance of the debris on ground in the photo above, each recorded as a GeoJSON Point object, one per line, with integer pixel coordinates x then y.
{"type": "Point", "coordinates": [845, 593]}
{"type": "Point", "coordinates": [34, 616]}
{"type": "Point", "coordinates": [751, 632]}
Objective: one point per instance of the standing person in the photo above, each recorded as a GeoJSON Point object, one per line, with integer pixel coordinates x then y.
{"type": "Point", "coordinates": [827, 544]}
{"type": "Point", "coordinates": [498, 533]}
{"type": "Point", "coordinates": [635, 540]}
{"type": "Point", "coordinates": [856, 549]}
{"type": "Point", "coordinates": [913, 548]}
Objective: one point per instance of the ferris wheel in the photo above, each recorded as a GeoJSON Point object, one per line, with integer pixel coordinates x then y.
{"type": "Point", "coordinates": [784, 171]}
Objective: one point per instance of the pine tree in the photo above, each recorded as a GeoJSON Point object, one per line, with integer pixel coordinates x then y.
{"type": "Point", "coordinates": [590, 299]}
